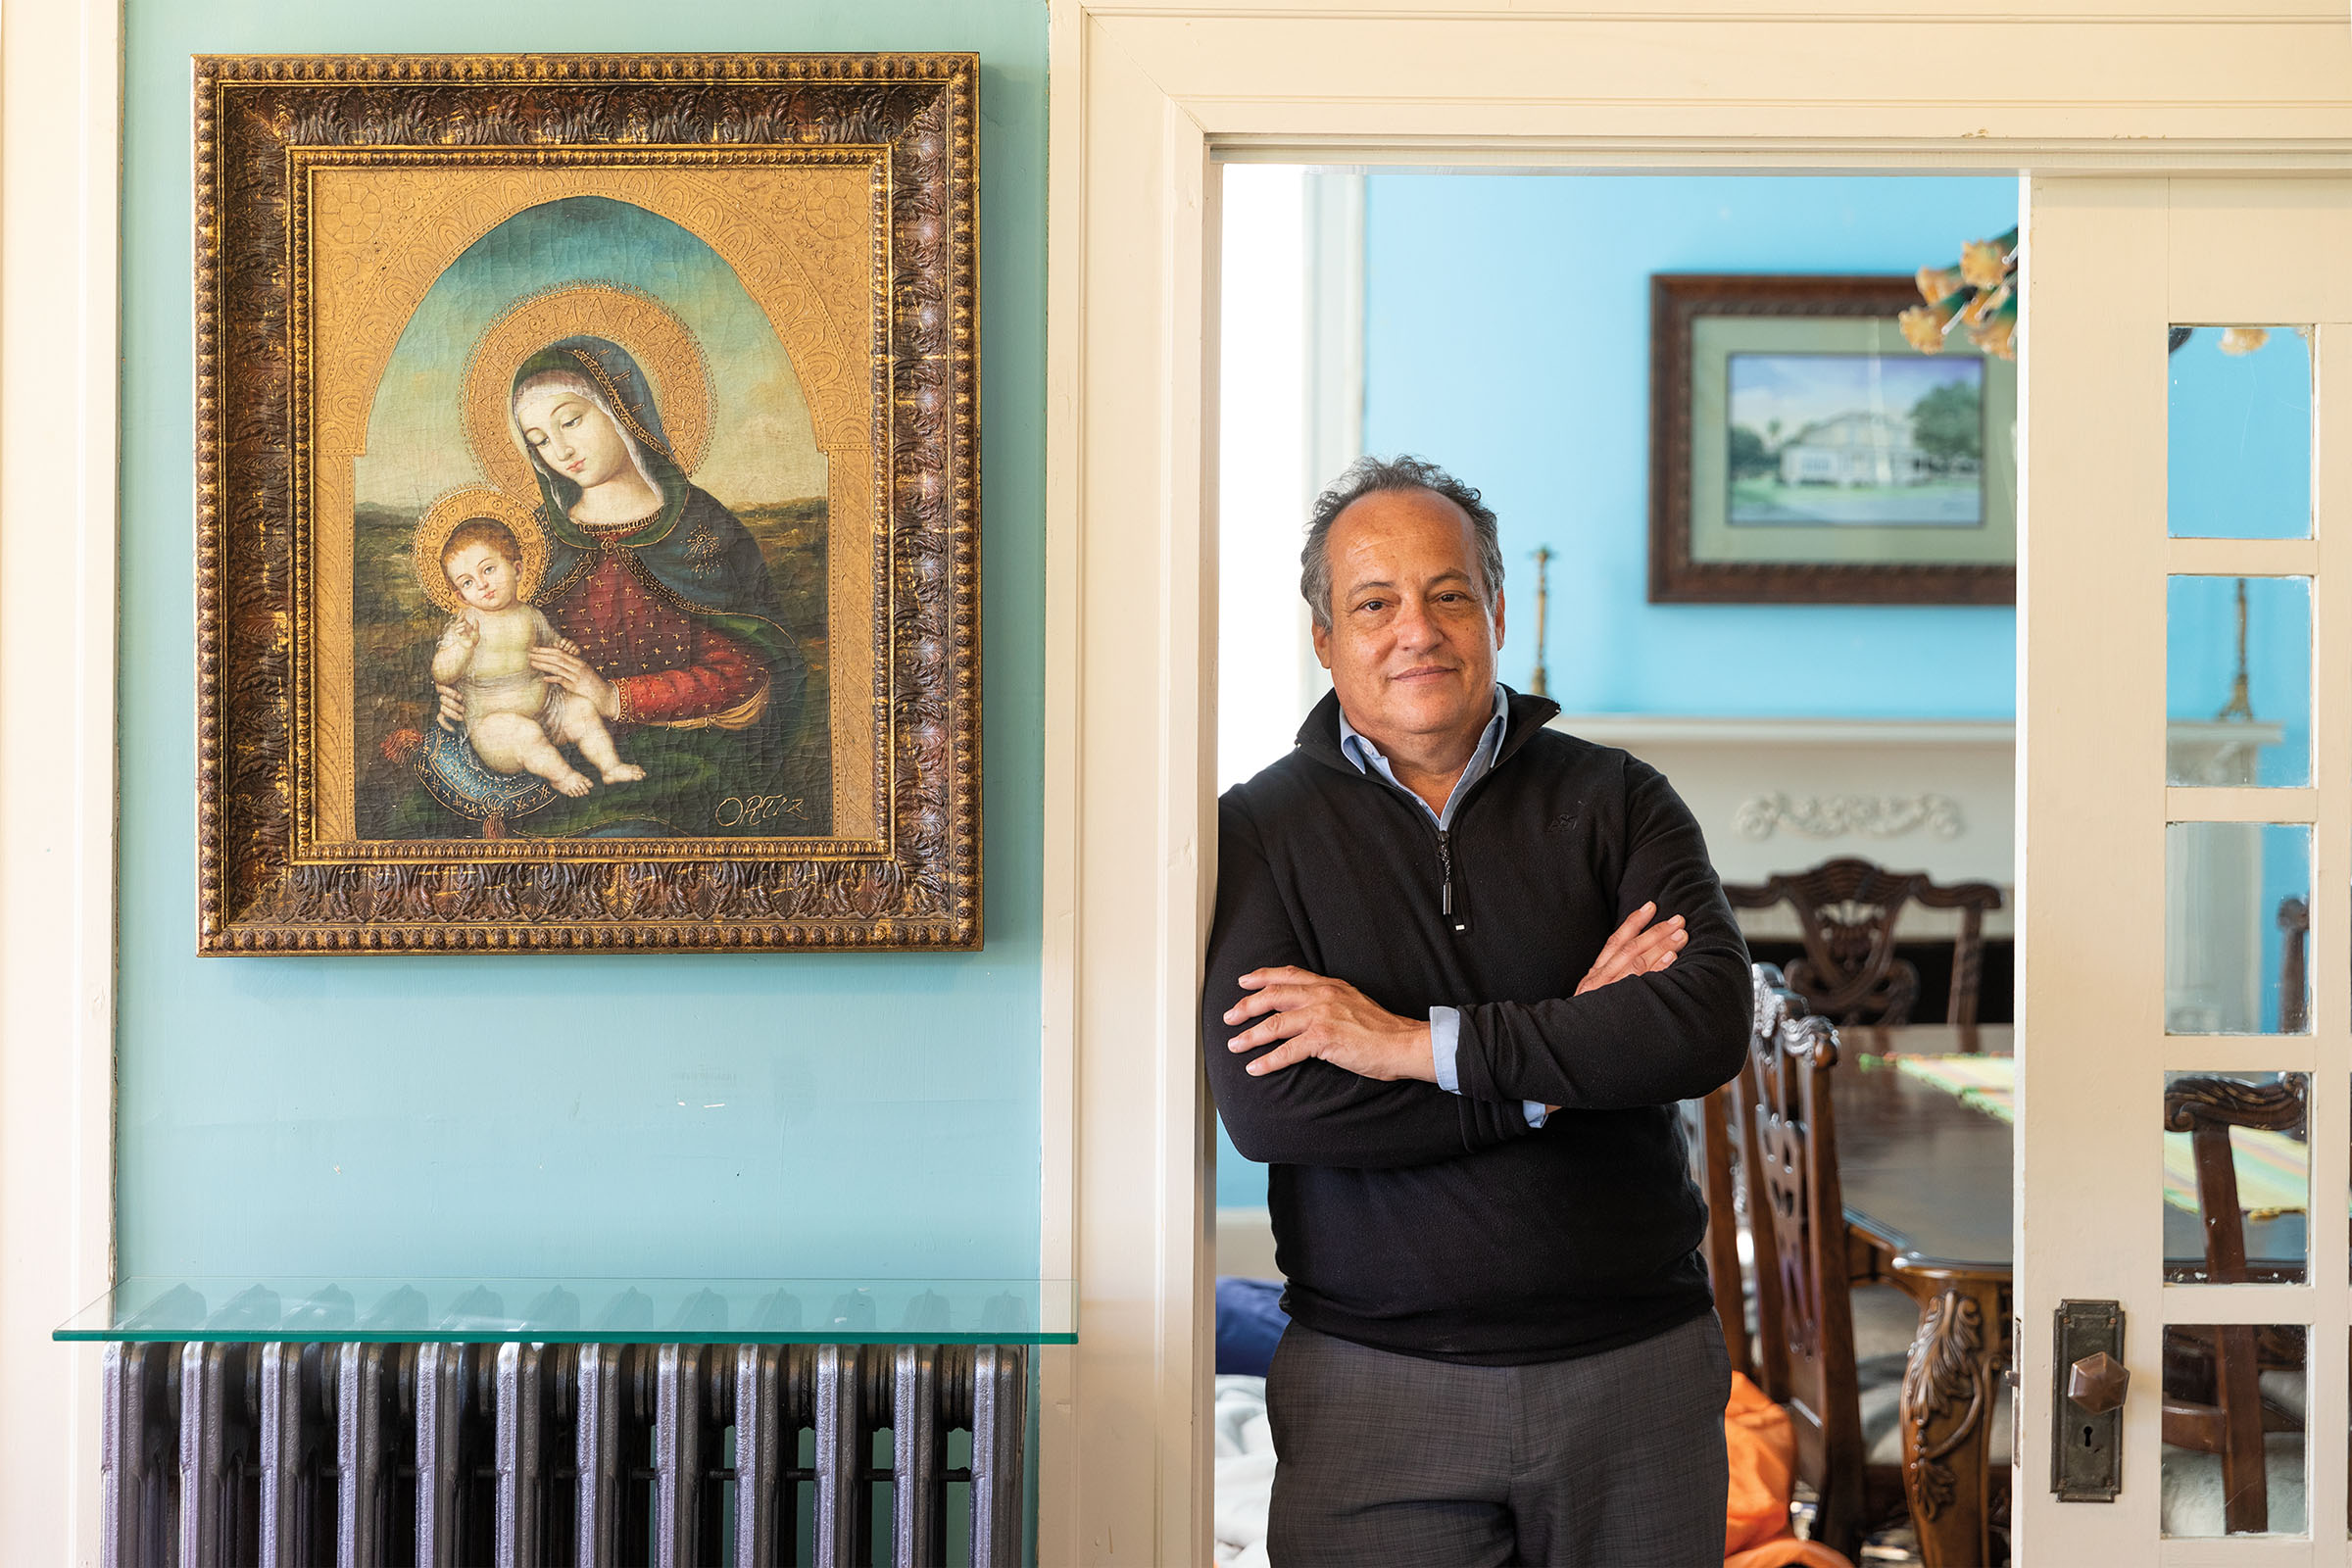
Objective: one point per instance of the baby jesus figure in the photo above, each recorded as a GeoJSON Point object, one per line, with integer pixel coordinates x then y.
{"type": "Point", "coordinates": [515, 716]}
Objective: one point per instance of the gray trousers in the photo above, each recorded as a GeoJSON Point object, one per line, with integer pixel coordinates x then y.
{"type": "Point", "coordinates": [1613, 1460]}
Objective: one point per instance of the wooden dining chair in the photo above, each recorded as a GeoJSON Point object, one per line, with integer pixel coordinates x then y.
{"type": "Point", "coordinates": [1707, 1126]}
{"type": "Point", "coordinates": [1847, 913]}
{"type": "Point", "coordinates": [2213, 1397]}
{"type": "Point", "coordinates": [1804, 1312]}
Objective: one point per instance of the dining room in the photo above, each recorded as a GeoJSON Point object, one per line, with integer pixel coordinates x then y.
{"type": "Point", "coordinates": [1823, 661]}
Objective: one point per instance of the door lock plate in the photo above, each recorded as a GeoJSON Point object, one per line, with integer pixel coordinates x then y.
{"type": "Point", "coordinates": [2086, 1445]}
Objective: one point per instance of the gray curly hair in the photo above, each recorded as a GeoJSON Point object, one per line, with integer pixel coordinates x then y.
{"type": "Point", "coordinates": [1370, 475]}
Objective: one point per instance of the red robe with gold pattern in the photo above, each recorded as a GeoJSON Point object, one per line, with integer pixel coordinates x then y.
{"type": "Point", "coordinates": [666, 664]}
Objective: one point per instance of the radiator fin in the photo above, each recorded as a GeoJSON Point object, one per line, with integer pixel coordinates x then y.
{"type": "Point", "coordinates": [522, 1410]}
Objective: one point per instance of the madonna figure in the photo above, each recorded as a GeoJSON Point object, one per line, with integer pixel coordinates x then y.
{"type": "Point", "coordinates": [678, 627]}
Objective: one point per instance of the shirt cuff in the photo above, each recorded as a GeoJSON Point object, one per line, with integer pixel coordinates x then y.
{"type": "Point", "coordinates": [1445, 1043]}
{"type": "Point", "coordinates": [1445, 1046]}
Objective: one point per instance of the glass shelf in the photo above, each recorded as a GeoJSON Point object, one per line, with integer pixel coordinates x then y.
{"type": "Point", "coordinates": [584, 1311]}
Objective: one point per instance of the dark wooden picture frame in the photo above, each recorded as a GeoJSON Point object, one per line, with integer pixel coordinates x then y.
{"type": "Point", "coordinates": [830, 203]}
{"type": "Point", "coordinates": [1681, 573]}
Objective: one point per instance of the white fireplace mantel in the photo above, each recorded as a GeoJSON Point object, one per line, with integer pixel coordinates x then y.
{"type": "Point", "coordinates": [1783, 794]}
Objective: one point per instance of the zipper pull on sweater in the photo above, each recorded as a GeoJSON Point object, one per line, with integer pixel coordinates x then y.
{"type": "Point", "coordinates": [1459, 924]}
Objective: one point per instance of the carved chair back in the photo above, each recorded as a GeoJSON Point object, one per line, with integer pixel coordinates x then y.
{"type": "Point", "coordinates": [1796, 1214]}
{"type": "Point", "coordinates": [2294, 989]}
{"type": "Point", "coordinates": [1707, 1127]}
{"type": "Point", "coordinates": [2212, 1394]}
{"type": "Point", "coordinates": [1847, 910]}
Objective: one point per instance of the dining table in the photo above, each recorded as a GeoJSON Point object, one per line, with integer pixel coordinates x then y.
{"type": "Point", "coordinates": [1926, 1169]}
{"type": "Point", "coordinates": [1926, 1176]}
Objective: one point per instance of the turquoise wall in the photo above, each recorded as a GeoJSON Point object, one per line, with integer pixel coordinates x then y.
{"type": "Point", "coordinates": [740, 1115]}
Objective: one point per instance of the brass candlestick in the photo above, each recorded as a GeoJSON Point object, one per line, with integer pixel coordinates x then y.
{"type": "Point", "coordinates": [2242, 697]}
{"type": "Point", "coordinates": [1543, 617]}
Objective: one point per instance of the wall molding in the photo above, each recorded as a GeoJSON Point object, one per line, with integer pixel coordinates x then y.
{"type": "Point", "coordinates": [60, 143]}
{"type": "Point", "coordinates": [1632, 731]}
{"type": "Point", "coordinates": [1777, 795]}
{"type": "Point", "coordinates": [1831, 816]}
{"type": "Point", "coordinates": [1335, 323]}
{"type": "Point", "coordinates": [1335, 365]}
{"type": "Point", "coordinates": [1711, 13]}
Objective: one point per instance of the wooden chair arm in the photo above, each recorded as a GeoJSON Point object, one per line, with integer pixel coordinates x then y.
{"type": "Point", "coordinates": [1980, 896]}
{"type": "Point", "coordinates": [2229, 1103]}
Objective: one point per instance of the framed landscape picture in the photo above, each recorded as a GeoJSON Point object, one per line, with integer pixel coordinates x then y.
{"type": "Point", "coordinates": [587, 503]}
{"type": "Point", "coordinates": [1801, 452]}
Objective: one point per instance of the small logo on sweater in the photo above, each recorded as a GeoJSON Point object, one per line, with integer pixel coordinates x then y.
{"type": "Point", "coordinates": [1566, 819]}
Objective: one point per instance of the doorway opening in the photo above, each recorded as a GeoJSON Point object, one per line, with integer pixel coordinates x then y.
{"type": "Point", "coordinates": [1502, 325]}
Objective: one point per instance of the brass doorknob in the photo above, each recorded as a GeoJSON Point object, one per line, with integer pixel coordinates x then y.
{"type": "Point", "coordinates": [2097, 1383]}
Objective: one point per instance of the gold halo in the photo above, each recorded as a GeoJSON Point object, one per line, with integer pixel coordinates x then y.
{"type": "Point", "coordinates": [477, 501]}
{"type": "Point", "coordinates": [652, 333]}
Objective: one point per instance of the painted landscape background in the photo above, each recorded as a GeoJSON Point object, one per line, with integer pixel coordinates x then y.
{"type": "Point", "coordinates": [392, 657]}
{"type": "Point", "coordinates": [1856, 440]}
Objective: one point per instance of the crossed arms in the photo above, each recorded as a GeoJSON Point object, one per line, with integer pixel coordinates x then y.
{"type": "Point", "coordinates": [1329, 1020]}
{"type": "Point", "coordinates": [1307, 1069]}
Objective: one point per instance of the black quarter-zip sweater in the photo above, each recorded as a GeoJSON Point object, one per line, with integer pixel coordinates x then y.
{"type": "Point", "coordinates": [1443, 1225]}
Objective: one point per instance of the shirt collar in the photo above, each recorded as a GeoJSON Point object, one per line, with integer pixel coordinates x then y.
{"type": "Point", "coordinates": [1368, 759]}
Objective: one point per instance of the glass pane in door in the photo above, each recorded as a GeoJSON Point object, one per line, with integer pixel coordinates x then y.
{"type": "Point", "coordinates": [2239, 433]}
{"type": "Point", "coordinates": [2234, 1447]}
{"type": "Point", "coordinates": [2237, 928]}
{"type": "Point", "coordinates": [2236, 1178]}
{"type": "Point", "coordinates": [2237, 680]}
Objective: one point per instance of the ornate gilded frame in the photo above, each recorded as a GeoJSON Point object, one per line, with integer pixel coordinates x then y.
{"type": "Point", "coordinates": [1678, 301]}
{"type": "Point", "coordinates": [267, 882]}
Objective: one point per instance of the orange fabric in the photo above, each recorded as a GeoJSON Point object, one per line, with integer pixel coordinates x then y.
{"type": "Point", "coordinates": [1763, 1452]}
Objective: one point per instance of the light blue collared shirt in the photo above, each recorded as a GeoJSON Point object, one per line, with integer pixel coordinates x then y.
{"type": "Point", "coordinates": [1444, 1023]}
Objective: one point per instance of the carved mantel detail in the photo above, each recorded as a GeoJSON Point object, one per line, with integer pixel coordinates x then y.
{"type": "Point", "coordinates": [1829, 817]}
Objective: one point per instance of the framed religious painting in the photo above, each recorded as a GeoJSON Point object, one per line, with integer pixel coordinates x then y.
{"type": "Point", "coordinates": [587, 503]}
{"type": "Point", "coordinates": [1802, 452]}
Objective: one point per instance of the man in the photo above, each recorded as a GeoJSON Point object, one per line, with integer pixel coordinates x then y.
{"type": "Point", "coordinates": [1462, 967]}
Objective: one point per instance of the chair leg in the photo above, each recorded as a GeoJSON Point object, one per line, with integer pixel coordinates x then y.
{"type": "Point", "coordinates": [2245, 1484]}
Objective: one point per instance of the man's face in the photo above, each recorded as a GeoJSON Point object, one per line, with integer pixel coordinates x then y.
{"type": "Point", "coordinates": [1411, 644]}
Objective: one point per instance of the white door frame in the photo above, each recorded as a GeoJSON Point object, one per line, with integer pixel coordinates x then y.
{"type": "Point", "coordinates": [59, 69]}
{"type": "Point", "coordinates": [1146, 97]}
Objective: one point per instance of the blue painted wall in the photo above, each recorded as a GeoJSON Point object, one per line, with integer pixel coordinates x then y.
{"type": "Point", "coordinates": [571, 1115]}
{"type": "Point", "coordinates": [1507, 337]}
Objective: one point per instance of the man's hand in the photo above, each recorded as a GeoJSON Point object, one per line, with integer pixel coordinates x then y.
{"type": "Point", "coordinates": [1633, 949]}
{"type": "Point", "coordinates": [1329, 1019]}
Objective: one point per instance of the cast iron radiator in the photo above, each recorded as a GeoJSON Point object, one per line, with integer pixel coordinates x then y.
{"type": "Point", "coordinates": [403, 1456]}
